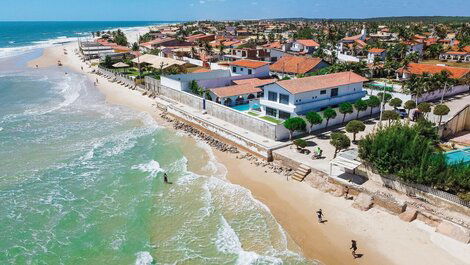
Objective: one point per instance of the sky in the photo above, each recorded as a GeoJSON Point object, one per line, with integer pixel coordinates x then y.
{"type": "Point", "coordinates": [184, 10]}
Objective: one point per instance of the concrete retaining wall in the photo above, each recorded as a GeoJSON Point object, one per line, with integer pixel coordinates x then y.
{"type": "Point", "coordinates": [458, 123]}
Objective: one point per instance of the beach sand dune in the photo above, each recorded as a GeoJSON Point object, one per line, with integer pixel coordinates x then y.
{"type": "Point", "coordinates": [382, 238]}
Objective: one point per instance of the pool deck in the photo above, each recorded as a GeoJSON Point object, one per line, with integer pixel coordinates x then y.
{"type": "Point", "coordinates": [459, 155]}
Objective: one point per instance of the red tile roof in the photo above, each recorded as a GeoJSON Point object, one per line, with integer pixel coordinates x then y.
{"type": "Point", "coordinates": [457, 53]}
{"type": "Point", "coordinates": [419, 69]}
{"type": "Point", "coordinates": [360, 42]}
{"type": "Point", "coordinates": [236, 90]}
{"type": "Point", "coordinates": [295, 64]}
{"type": "Point", "coordinates": [356, 37]}
{"type": "Point", "coordinates": [301, 85]}
{"type": "Point", "coordinates": [376, 50]}
{"type": "Point", "coordinates": [249, 63]}
{"type": "Point", "coordinates": [255, 81]}
{"type": "Point", "coordinates": [308, 43]}
{"type": "Point", "coordinates": [273, 45]}
{"type": "Point", "coordinates": [466, 49]}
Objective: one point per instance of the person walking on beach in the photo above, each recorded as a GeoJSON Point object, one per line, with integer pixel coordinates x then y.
{"type": "Point", "coordinates": [354, 248]}
{"type": "Point", "coordinates": [320, 216]}
{"type": "Point", "coordinates": [81, 67]}
{"type": "Point", "coordinates": [97, 80]}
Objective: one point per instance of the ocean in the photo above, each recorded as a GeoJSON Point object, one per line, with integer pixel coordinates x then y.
{"type": "Point", "coordinates": [81, 180]}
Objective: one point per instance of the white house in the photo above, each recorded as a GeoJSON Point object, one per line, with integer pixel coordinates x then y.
{"type": "Point", "coordinates": [376, 53]}
{"type": "Point", "coordinates": [249, 67]}
{"type": "Point", "coordinates": [288, 98]}
{"type": "Point", "coordinates": [304, 46]}
{"type": "Point", "coordinates": [414, 47]}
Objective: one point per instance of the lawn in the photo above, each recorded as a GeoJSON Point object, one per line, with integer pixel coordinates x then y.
{"type": "Point", "coordinates": [253, 113]}
{"type": "Point", "coordinates": [271, 119]}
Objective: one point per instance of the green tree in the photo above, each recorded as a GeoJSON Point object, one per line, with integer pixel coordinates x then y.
{"type": "Point", "coordinates": [409, 105]}
{"type": "Point", "coordinates": [390, 115]}
{"type": "Point", "coordinates": [395, 103]}
{"type": "Point", "coordinates": [424, 107]}
{"type": "Point", "coordinates": [328, 114]}
{"type": "Point", "coordinates": [345, 108]}
{"type": "Point", "coordinates": [195, 88]}
{"type": "Point", "coordinates": [313, 118]}
{"type": "Point", "coordinates": [441, 110]}
{"type": "Point", "coordinates": [294, 124]}
{"type": "Point", "coordinates": [360, 105]}
{"type": "Point", "coordinates": [384, 98]}
{"type": "Point", "coordinates": [108, 62]}
{"type": "Point", "coordinates": [340, 141]}
{"type": "Point", "coordinates": [354, 127]}
{"type": "Point", "coordinates": [135, 46]}
{"type": "Point", "coordinates": [373, 102]}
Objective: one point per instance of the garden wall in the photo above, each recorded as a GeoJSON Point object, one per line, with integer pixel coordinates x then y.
{"type": "Point", "coordinates": [458, 123]}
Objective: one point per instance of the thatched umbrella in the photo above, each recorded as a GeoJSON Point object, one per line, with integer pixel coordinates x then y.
{"type": "Point", "coordinates": [120, 65]}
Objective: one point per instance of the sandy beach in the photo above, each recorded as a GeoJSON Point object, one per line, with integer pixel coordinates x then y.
{"type": "Point", "coordinates": [382, 238]}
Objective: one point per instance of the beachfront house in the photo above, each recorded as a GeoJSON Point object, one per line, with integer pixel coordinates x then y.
{"type": "Point", "coordinates": [242, 69]}
{"type": "Point", "coordinates": [295, 97]}
{"type": "Point", "coordinates": [158, 62]}
{"type": "Point", "coordinates": [244, 91]}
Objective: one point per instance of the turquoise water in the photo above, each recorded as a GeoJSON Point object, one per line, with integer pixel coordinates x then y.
{"type": "Point", "coordinates": [81, 183]}
{"type": "Point", "coordinates": [244, 107]}
{"type": "Point", "coordinates": [458, 156]}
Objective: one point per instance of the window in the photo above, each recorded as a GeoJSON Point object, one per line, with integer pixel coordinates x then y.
{"type": "Point", "coordinates": [272, 96]}
{"type": "Point", "coordinates": [284, 99]}
{"type": "Point", "coordinates": [234, 69]}
{"type": "Point", "coordinates": [334, 92]}
{"type": "Point", "coordinates": [322, 92]}
{"type": "Point", "coordinates": [271, 112]}
{"type": "Point", "coordinates": [284, 115]}
{"type": "Point", "coordinates": [250, 71]}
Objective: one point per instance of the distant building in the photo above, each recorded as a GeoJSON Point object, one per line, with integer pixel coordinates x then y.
{"type": "Point", "coordinates": [246, 53]}
{"type": "Point", "coordinates": [304, 46]}
{"type": "Point", "coordinates": [455, 56]}
{"type": "Point", "coordinates": [414, 47]}
{"type": "Point", "coordinates": [290, 66]}
{"type": "Point", "coordinates": [288, 98]}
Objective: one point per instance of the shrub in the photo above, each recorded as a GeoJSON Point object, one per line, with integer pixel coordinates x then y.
{"type": "Point", "coordinates": [328, 114]}
{"type": "Point", "coordinates": [409, 153]}
{"type": "Point", "coordinates": [441, 110]}
{"type": "Point", "coordinates": [300, 143]}
{"type": "Point", "coordinates": [345, 108]}
{"type": "Point", "coordinates": [395, 103]}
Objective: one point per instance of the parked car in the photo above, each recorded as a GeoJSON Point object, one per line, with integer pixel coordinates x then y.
{"type": "Point", "coordinates": [402, 112]}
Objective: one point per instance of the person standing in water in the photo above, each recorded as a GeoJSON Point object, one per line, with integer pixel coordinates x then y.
{"type": "Point", "coordinates": [165, 179]}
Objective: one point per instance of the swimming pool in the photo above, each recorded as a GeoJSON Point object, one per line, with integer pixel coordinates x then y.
{"type": "Point", "coordinates": [457, 156]}
{"type": "Point", "coordinates": [245, 107]}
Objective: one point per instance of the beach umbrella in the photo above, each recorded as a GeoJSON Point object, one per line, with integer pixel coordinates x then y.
{"type": "Point", "coordinates": [120, 65]}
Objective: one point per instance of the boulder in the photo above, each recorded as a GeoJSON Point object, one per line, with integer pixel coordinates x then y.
{"type": "Point", "coordinates": [363, 202]}
{"type": "Point", "coordinates": [409, 214]}
{"type": "Point", "coordinates": [454, 231]}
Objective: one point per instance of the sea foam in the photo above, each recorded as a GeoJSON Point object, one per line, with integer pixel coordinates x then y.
{"type": "Point", "coordinates": [143, 258]}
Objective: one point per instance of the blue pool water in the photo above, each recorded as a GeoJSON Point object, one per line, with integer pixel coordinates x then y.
{"type": "Point", "coordinates": [245, 107]}
{"type": "Point", "coordinates": [457, 156]}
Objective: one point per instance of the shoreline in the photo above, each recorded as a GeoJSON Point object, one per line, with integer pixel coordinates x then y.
{"type": "Point", "coordinates": [382, 238]}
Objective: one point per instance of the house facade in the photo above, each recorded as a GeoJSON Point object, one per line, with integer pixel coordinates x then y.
{"type": "Point", "coordinates": [288, 98]}
{"type": "Point", "coordinates": [291, 66]}
{"type": "Point", "coordinates": [249, 68]}
{"type": "Point", "coordinates": [376, 53]}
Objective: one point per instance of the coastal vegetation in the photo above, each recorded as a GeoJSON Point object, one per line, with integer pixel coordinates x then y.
{"type": "Point", "coordinates": [340, 141]}
{"type": "Point", "coordinates": [409, 152]}
{"type": "Point", "coordinates": [294, 124]}
{"type": "Point", "coordinates": [354, 127]}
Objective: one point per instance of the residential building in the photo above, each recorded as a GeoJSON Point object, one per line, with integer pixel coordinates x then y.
{"type": "Point", "coordinates": [250, 67]}
{"type": "Point", "coordinates": [304, 46]}
{"type": "Point", "coordinates": [455, 56]}
{"type": "Point", "coordinates": [158, 62]}
{"type": "Point", "coordinates": [291, 66]}
{"type": "Point", "coordinates": [246, 53]}
{"type": "Point", "coordinates": [93, 50]}
{"type": "Point", "coordinates": [414, 47]}
{"type": "Point", "coordinates": [241, 92]}
{"type": "Point", "coordinates": [288, 98]}
{"type": "Point", "coordinates": [420, 69]}
{"type": "Point", "coordinates": [376, 53]}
